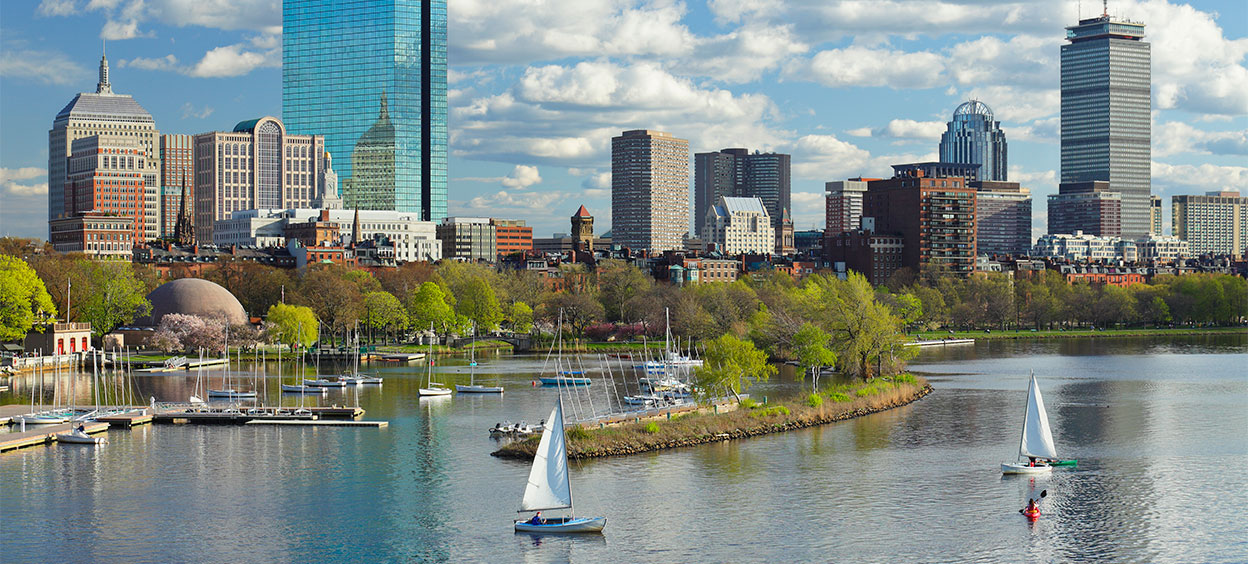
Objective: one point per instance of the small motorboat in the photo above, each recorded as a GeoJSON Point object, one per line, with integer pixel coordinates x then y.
{"type": "Point", "coordinates": [79, 437]}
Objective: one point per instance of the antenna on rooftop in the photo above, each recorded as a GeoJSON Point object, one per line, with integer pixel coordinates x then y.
{"type": "Point", "coordinates": [1105, 3]}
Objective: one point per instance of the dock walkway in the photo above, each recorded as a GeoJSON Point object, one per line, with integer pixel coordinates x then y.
{"type": "Point", "coordinates": [43, 434]}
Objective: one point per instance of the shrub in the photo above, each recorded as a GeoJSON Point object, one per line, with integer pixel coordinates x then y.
{"type": "Point", "coordinates": [651, 427]}
{"type": "Point", "coordinates": [749, 403]}
{"type": "Point", "coordinates": [840, 397]}
{"type": "Point", "coordinates": [577, 433]}
{"type": "Point", "coordinates": [814, 400]}
{"type": "Point", "coordinates": [768, 412]}
{"type": "Point", "coordinates": [867, 391]}
{"type": "Point", "coordinates": [906, 378]}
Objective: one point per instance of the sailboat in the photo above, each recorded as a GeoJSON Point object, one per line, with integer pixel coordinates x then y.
{"type": "Point", "coordinates": [550, 486]}
{"type": "Point", "coordinates": [561, 377]}
{"type": "Point", "coordinates": [1037, 440]}
{"type": "Point", "coordinates": [297, 388]}
{"type": "Point", "coordinates": [473, 387]}
{"type": "Point", "coordinates": [226, 391]}
{"type": "Point", "coordinates": [433, 388]}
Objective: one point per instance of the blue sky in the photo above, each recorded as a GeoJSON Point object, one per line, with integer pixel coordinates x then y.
{"type": "Point", "coordinates": [538, 88]}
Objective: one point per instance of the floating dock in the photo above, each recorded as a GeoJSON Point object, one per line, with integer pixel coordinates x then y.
{"type": "Point", "coordinates": [941, 342]}
{"type": "Point", "coordinates": [43, 434]}
{"type": "Point", "coordinates": [319, 423]}
{"type": "Point", "coordinates": [128, 419]}
{"type": "Point", "coordinates": [240, 416]}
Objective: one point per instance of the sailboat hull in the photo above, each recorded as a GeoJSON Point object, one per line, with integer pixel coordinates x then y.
{"type": "Point", "coordinates": [426, 392]}
{"type": "Point", "coordinates": [1021, 468]}
{"type": "Point", "coordinates": [474, 389]}
{"type": "Point", "coordinates": [564, 525]}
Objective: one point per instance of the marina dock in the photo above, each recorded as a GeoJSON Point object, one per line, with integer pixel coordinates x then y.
{"type": "Point", "coordinates": [43, 434]}
{"type": "Point", "coordinates": [941, 342]}
{"type": "Point", "coordinates": [239, 416]}
{"type": "Point", "coordinates": [319, 423]}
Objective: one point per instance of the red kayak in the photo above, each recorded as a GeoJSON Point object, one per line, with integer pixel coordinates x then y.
{"type": "Point", "coordinates": [1032, 515]}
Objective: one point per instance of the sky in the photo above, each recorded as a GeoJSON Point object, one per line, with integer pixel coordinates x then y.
{"type": "Point", "coordinates": [538, 88]}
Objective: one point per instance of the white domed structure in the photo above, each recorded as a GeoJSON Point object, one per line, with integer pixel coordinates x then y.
{"type": "Point", "coordinates": [194, 296]}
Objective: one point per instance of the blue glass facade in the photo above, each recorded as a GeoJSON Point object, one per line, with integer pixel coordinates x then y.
{"type": "Point", "coordinates": [340, 58]}
{"type": "Point", "coordinates": [973, 137]}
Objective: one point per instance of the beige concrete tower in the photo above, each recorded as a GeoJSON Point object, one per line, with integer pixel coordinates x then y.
{"type": "Point", "coordinates": [649, 190]}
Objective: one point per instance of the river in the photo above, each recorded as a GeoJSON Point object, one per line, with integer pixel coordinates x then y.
{"type": "Point", "coordinates": [1160, 428]}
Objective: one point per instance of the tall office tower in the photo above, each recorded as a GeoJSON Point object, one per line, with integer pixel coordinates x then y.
{"type": "Point", "coordinates": [844, 204]}
{"type": "Point", "coordinates": [1214, 223]}
{"type": "Point", "coordinates": [714, 175]}
{"type": "Point", "coordinates": [974, 138]}
{"type": "Point", "coordinates": [371, 78]}
{"type": "Point", "coordinates": [1154, 215]}
{"type": "Point", "coordinates": [1106, 108]}
{"type": "Point", "coordinates": [105, 113]}
{"type": "Point", "coordinates": [740, 173]}
{"type": "Point", "coordinates": [1002, 218]}
{"type": "Point", "coordinates": [649, 190]}
{"type": "Point", "coordinates": [257, 166]}
{"type": "Point", "coordinates": [177, 179]}
{"type": "Point", "coordinates": [105, 173]}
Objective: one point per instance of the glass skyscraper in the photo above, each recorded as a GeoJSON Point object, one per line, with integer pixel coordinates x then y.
{"type": "Point", "coordinates": [371, 77]}
{"type": "Point", "coordinates": [1106, 102]}
{"type": "Point", "coordinates": [974, 138]}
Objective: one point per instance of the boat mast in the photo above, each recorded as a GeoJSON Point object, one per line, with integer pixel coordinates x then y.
{"type": "Point", "coordinates": [1022, 437]}
{"type": "Point", "coordinates": [563, 437]}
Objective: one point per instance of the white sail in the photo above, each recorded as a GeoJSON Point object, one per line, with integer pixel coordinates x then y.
{"type": "Point", "coordinates": [1037, 439]}
{"type": "Point", "coordinates": [548, 486]}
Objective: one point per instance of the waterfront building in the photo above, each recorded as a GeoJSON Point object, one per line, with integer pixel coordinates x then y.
{"type": "Point", "coordinates": [258, 165]}
{"type": "Point", "coordinates": [106, 174]}
{"type": "Point", "coordinates": [177, 180]}
{"type": "Point", "coordinates": [739, 173]}
{"type": "Point", "coordinates": [973, 137]}
{"type": "Point", "coordinates": [1162, 249]}
{"type": "Point", "coordinates": [1003, 218]}
{"type": "Point", "coordinates": [935, 217]}
{"type": "Point", "coordinates": [1154, 214]}
{"type": "Point", "coordinates": [739, 225]}
{"type": "Point", "coordinates": [414, 240]}
{"type": "Point", "coordinates": [649, 190]}
{"type": "Point", "coordinates": [1089, 207]}
{"type": "Point", "coordinates": [1079, 246]}
{"type": "Point", "coordinates": [97, 234]}
{"type": "Point", "coordinates": [371, 78]}
{"type": "Point", "coordinates": [1106, 113]}
{"type": "Point", "coordinates": [512, 235]}
{"type": "Point", "coordinates": [1215, 223]}
{"type": "Point", "coordinates": [108, 114]}
{"type": "Point", "coordinates": [468, 238]}
{"type": "Point", "coordinates": [843, 201]}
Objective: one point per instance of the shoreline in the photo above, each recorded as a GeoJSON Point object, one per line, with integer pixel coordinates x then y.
{"type": "Point", "coordinates": [1082, 333]}
{"type": "Point", "coordinates": [647, 436]}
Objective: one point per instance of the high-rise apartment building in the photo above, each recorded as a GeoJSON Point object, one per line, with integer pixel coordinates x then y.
{"type": "Point", "coordinates": [843, 202]}
{"type": "Point", "coordinates": [1215, 223]}
{"type": "Point", "coordinates": [258, 166]}
{"type": "Point", "coordinates": [649, 190]}
{"type": "Point", "coordinates": [742, 174]}
{"type": "Point", "coordinates": [1154, 215]}
{"type": "Point", "coordinates": [973, 137]}
{"type": "Point", "coordinates": [935, 217]}
{"type": "Point", "coordinates": [105, 113]}
{"type": "Point", "coordinates": [177, 179]}
{"type": "Point", "coordinates": [1088, 207]}
{"type": "Point", "coordinates": [1002, 218]}
{"type": "Point", "coordinates": [1106, 108]}
{"type": "Point", "coordinates": [371, 78]}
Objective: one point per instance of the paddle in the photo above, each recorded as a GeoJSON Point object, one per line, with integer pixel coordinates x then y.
{"type": "Point", "coordinates": [1043, 494]}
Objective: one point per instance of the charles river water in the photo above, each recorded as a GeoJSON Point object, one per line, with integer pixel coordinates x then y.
{"type": "Point", "coordinates": [1160, 428]}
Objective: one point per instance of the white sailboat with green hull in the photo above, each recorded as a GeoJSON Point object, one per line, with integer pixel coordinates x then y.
{"type": "Point", "coordinates": [1036, 452]}
{"type": "Point", "coordinates": [550, 486]}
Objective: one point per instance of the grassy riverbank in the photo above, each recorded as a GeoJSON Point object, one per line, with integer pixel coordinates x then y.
{"type": "Point", "coordinates": [1073, 333]}
{"type": "Point", "coordinates": [750, 419]}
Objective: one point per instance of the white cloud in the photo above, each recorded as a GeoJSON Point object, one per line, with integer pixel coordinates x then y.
{"type": "Point", "coordinates": [501, 200]}
{"type": "Point", "coordinates": [168, 62]}
{"type": "Point", "coordinates": [742, 55]}
{"type": "Point", "coordinates": [597, 181]}
{"type": "Point", "coordinates": [1045, 130]}
{"type": "Point", "coordinates": [57, 8]}
{"type": "Point", "coordinates": [48, 67]}
{"type": "Point", "coordinates": [862, 66]}
{"type": "Point", "coordinates": [1204, 177]}
{"type": "Point", "coordinates": [1195, 67]}
{"type": "Point", "coordinates": [522, 177]}
{"type": "Point", "coordinates": [904, 130]}
{"type": "Point", "coordinates": [11, 180]}
{"type": "Point", "coordinates": [190, 111]}
{"type": "Point", "coordinates": [234, 60]}
{"type": "Point", "coordinates": [23, 173]}
{"type": "Point", "coordinates": [513, 32]}
{"type": "Point", "coordinates": [1172, 138]}
{"type": "Point", "coordinates": [1023, 60]}
{"type": "Point", "coordinates": [824, 157]}
{"type": "Point", "coordinates": [1018, 104]}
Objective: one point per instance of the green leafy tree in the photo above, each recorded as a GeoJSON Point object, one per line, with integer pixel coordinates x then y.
{"type": "Point", "coordinates": [24, 301]}
{"type": "Point", "coordinates": [619, 282]}
{"type": "Point", "coordinates": [580, 310]}
{"type": "Point", "coordinates": [113, 297]}
{"type": "Point", "coordinates": [733, 364]}
{"type": "Point", "coordinates": [292, 325]}
{"type": "Point", "coordinates": [333, 294]}
{"type": "Point", "coordinates": [520, 316]}
{"type": "Point", "coordinates": [866, 333]}
{"type": "Point", "coordinates": [810, 344]}
{"type": "Point", "coordinates": [477, 302]}
{"type": "Point", "coordinates": [427, 307]}
{"type": "Point", "coordinates": [383, 313]}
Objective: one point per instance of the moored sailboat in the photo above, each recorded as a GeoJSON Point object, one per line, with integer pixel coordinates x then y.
{"type": "Point", "coordinates": [432, 389]}
{"type": "Point", "coordinates": [550, 486]}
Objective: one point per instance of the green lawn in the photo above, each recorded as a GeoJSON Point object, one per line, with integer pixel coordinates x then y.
{"type": "Point", "coordinates": [1027, 334]}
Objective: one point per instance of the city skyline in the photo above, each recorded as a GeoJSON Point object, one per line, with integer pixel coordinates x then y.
{"type": "Point", "coordinates": [536, 96]}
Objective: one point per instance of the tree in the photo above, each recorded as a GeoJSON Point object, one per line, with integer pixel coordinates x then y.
{"type": "Point", "coordinates": [292, 325]}
{"type": "Point", "coordinates": [520, 316]}
{"type": "Point", "coordinates": [732, 363]}
{"type": "Point", "coordinates": [579, 310]}
{"type": "Point", "coordinates": [811, 345]}
{"type": "Point", "coordinates": [112, 298]}
{"type": "Point", "coordinates": [384, 313]}
{"type": "Point", "coordinates": [427, 307]}
{"type": "Point", "coordinates": [180, 332]}
{"type": "Point", "coordinates": [477, 302]}
{"type": "Point", "coordinates": [24, 300]}
{"type": "Point", "coordinates": [333, 295]}
{"type": "Point", "coordinates": [618, 282]}
{"type": "Point", "coordinates": [863, 329]}
{"type": "Point", "coordinates": [256, 286]}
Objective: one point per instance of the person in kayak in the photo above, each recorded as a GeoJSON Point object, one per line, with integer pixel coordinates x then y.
{"type": "Point", "coordinates": [537, 519]}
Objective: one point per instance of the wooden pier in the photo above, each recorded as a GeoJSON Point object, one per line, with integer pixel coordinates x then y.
{"type": "Point", "coordinates": [128, 419]}
{"type": "Point", "coordinates": [320, 423]}
{"type": "Point", "coordinates": [240, 416]}
{"type": "Point", "coordinates": [43, 434]}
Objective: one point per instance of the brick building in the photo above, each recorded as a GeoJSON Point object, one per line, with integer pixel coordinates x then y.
{"type": "Point", "coordinates": [934, 216]}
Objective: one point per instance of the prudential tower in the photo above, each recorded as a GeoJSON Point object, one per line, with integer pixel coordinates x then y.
{"type": "Point", "coordinates": [1106, 104]}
